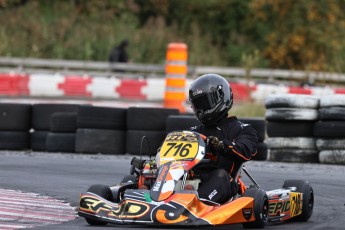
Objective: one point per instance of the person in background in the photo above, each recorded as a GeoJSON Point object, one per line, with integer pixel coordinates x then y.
{"type": "Point", "coordinates": [229, 140]}
{"type": "Point", "coordinates": [119, 53]}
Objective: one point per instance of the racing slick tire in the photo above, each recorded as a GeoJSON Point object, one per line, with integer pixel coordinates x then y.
{"type": "Point", "coordinates": [305, 188]}
{"type": "Point", "coordinates": [260, 208]}
{"type": "Point", "coordinates": [104, 192]}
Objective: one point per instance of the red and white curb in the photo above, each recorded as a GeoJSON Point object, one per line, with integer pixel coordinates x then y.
{"type": "Point", "coordinates": [27, 210]}
{"type": "Point", "coordinates": [151, 89]}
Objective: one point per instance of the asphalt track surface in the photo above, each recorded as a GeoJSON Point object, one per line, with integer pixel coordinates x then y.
{"type": "Point", "coordinates": [64, 176]}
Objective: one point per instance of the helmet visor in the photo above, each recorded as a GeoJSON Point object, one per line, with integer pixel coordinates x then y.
{"type": "Point", "coordinates": [207, 101]}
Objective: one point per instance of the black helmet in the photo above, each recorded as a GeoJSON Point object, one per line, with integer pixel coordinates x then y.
{"type": "Point", "coordinates": [211, 98]}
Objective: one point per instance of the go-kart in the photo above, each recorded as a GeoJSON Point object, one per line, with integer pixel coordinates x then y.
{"type": "Point", "coordinates": [154, 193]}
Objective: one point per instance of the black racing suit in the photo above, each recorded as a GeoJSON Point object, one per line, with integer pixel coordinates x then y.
{"type": "Point", "coordinates": [240, 144]}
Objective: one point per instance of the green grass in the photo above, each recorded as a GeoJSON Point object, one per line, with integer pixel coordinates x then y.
{"type": "Point", "coordinates": [248, 109]}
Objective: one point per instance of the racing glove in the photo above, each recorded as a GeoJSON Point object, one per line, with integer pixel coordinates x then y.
{"type": "Point", "coordinates": [215, 145]}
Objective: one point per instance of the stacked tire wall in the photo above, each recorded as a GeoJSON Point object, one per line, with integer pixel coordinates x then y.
{"type": "Point", "coordinates": [101, 130]}
{"type": "Point", "coordinates": [62, 135]}
{"type": "Point", "coordinates": [290, 124]}
{"type": "Point", "coordinates": [330, 130]}
{"type": "Point", "coordinates": [15, 123]}
{"type": "Point", "coordinates": [41, 127]}
{"type": "Point", "coordinates": [148, 122]}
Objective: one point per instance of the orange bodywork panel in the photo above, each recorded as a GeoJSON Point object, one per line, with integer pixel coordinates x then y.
{"type": "Point", "coordinates": [229, 213]}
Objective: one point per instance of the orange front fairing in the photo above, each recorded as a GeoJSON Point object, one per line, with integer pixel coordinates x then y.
{"type": "Point", "coordinates": [229, 213]}
{"type": "Point", "coordinates": [182, 208]}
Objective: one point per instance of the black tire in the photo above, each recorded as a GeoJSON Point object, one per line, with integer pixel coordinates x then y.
{"type": "Point", "coordinates": [291, 114]}
{"type": "Point", "coordinates": [294, 155]}
{"type": "Point", "coordinates": [329, 129]}
{"type": "Point", "coordinates": [330, 144]}
{"type": "Point", "coordinates": [15, 117]}
{"type": "Point", "coordinates": [134, 137]}
{"type": "Point", "coordinates": [332, 157]}
{"type": "Point", "coordinates": [148, 118]}
{"type": "Point", "coordinates": [261, 208]}
{"type": "Point", "coordinates": [180, 122]}
{"type": "Point", "coordinates": [38, 140]}
{"type": "Point", "coordinates": [262, 152]}
{"type": "Point", "coordinates": [95, 117]}
{"type": "Point", "coordinates": [41, 114]}
{"type": "Point", "coordinates": [291, 101]}
{"type": "Point", "coordinates": [291, 143]}
{"type": "Point", "coordinates": [63, 122]}
{"type": "Point", "coordinates": [100, 141]}
{"type": "Point", "coordinates": [332, 100]}
{"type": "Point", "coordinates": [129, 178]}
{"type": "Point", "coordinates": [104, 192]}
{"type": "Point", "coordinates": [305, 188]}
{"type": "Point", "coordinates": [332, 114]}
{"type": "Point", "coordinates": [259, 124]}
{"type": "Point", "coordinates": [14, 140]}
{"type": "Point", "coordinates": [61, 142]}
{"type": "Point", "coordinates": [290, 129]}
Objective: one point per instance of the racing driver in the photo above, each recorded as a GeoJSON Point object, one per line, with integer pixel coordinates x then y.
{"type": "Point", "coordinates": [229, 140]}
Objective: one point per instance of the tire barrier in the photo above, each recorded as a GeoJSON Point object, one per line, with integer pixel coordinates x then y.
{"type": "Point", "coordinates": [290, 127]}
{"type": "Point", "coordinates": [332, 157]}
{"type": "Point", "coordinates": [329, 130]}
{"type": "Point", "coordinates": [96, 117]}
{"type": "Point", "coordinates": [101, 130]}
{"type": "Point", "coordinates": [14, 140]}
{"type": "Point", "coordinates": [45, 118]}
{"type": "Point", "coordinates": [62, 135]}
{"type": "Point", "coordinates": [91, 129]}
{"type": "Point", "coordinates": [100, 141]}
{"type": "Point", "coordinates": [180, 122]}
{"type": "Point", "coordinates": [15, 123]}
{"type": "Point", "coordinates": [61, 142]}
{"type": "Point", "coordinates": [38, 140]}
{"type": "Point", "coordinates": [61, 122]}
{"type": "Point", "coordinates": [41, 113]}
{"type": "Point", "coordinates": [149, 122]}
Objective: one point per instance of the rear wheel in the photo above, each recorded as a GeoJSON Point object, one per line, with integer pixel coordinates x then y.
{"type": "Point", "coordinates": [308, 197]}
{"type": "Point", "coordinates": [260, 208]}
{"type": "Point", "coordinates": [104, 192]}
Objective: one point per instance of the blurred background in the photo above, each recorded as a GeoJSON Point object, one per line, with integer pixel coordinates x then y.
{"type": "Point", "coordinates": [244, 35]}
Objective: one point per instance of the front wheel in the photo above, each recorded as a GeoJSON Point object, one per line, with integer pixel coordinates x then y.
{"type": "Point", "coordinates": [104, 192]}
{"type": "Point", "coordinates": [308, 197]}
{"type": "Point", "coordinates": [260, 208]}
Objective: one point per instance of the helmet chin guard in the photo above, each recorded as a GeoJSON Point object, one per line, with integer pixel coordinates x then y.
{"type": "Point", "coordinates": [211, 98]}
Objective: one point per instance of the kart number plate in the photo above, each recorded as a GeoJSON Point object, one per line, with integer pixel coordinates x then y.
{"type": "Point", "coordinates": [179, 146]}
